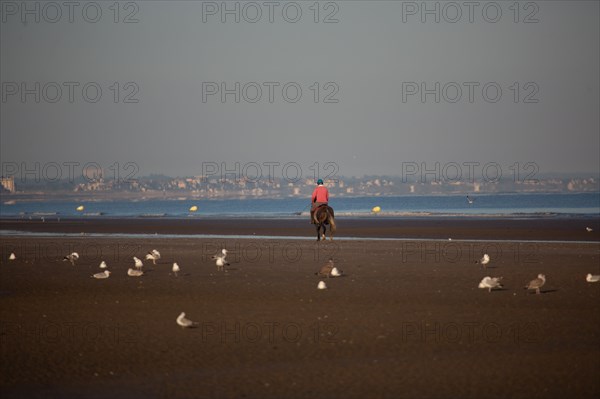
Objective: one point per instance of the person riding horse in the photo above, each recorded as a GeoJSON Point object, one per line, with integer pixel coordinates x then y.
{"type": "Point", "coordinates": [320, 196]}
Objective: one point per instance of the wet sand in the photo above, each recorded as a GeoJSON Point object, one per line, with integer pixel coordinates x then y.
{"type": "Point", "coordinates": [405, 320]}
{"type": "Point", "coordinates": [571, 229]}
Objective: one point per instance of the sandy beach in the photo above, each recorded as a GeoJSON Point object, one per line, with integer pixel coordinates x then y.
{"type": "Point", "coordinates": [406, 319]}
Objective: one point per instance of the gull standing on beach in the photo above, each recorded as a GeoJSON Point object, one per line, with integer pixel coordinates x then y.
{"type": "Point", "coordinates": [490, 282]}
{"type": "Point", "coordinates": [103, 265]}
{"type": "Point", "coordinates": [175, 268]}
{"type": "Point", "coordinates": [485, 259]}
{"type": "Point", "coordinates": [72, 258]}
{"type": "Point", "coordinates": [12, 256]}
{"type": "Point", "coordinates": [103, 274]}
{"type": "Point", "coordinates": [537, 283]}
{"type": "Point", "coordinates": [138, 263]}
{"type": "Point", "coordinates": [220, 259]}
{"type": "Point", "coordinates": [185, 323]}
{"type": "Point", "coordinates": [153, 255]}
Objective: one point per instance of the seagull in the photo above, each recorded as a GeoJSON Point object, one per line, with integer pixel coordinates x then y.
{"type": "Point", "coordinates": [470, 200]}
{"type": "Point", "coordinates": [537, 283]}
{"type": "Point", "coordinates": [153, 255]}
{"type": "Point", "coordinates": [185, 323]}
{"type": "Point", "coordinates": [134, 273]}
{"type": "Point", "coordinates": [592, 279]}
{"type": "Point", "coordinates": [103, 274]}
{"type": "Point", "coordinates": [589, 229]}
{"type": "Point", "coordinates": [175, 268]}
{"type": "Point", "coordinates": [12, 256]}
{"type": "Point", "coordinates": [335, 272]}
{"type": "Point", "coordinates": [72, 258]}
{"type": "Point", "coordinates": [326, 269]}
{"type": "Point", "coordinates": [322, 285]}
{"type": "Point", "coordinates": [220, 261]}
{"type": "Point", "coordinates": [103, 265]}
{"type": "Point", "coordinates": [490, 282]}
{"type": "Point", "coordinates": [138, 263]}
{"type": "Point", "coordinates": [485, 259]}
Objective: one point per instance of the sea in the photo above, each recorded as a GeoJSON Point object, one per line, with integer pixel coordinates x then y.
{"type": "Point", "coordinates": [484, 205]}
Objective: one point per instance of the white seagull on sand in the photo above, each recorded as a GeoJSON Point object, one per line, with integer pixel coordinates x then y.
{"type": "Point", "coordinates": [485, 259]}
{"type": "Point", "coordinates": [322, 285]}
{"type": "Point", "coordinates": [490, 283]}
{"type": "Point", "coordinates": [176, 268]}
{"type": "Point", "coordinates": [185, 323]}
{"type": "Point", "coordinates": [220, 261]}
{"type": "Point", "coordinates": [335, 272]}
{"type": "Point", "coordinates": [537, 283]}
{"type": "Point", "coordinates": [134, 273]}
{"type": "Point", "coordinates": [591, 278]}
{"type": "Point", "coordinates": [138, 263]}
{"type": "Point", "coordinates": [12, 256]}
{"type": "Point", "coordinates": [103, 274]}
{"type": "Point", "coordinates": [103, 265]}
{"type": "Point", "coordinates": [153, 255]}
{"type": "Point", "coordinates": [589, 229]}
{"type": "Point", "coordinates": [72, 258]}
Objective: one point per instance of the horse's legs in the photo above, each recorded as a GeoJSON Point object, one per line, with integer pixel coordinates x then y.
{"type": "Point", "coordinates": [318, 232]}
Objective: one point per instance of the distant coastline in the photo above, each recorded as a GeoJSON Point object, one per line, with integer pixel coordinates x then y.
{"type": "Point", "coordinates": [155, 187]}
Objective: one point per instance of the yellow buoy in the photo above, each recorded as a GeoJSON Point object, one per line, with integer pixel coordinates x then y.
{"type": "Point", "coordinates": [193, 208]}
{"type": "Point", "coordinates": [376, 209]}
{"type": "Point", "coordinates": [80, 208]}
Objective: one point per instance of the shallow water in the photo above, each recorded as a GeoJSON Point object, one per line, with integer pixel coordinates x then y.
{"type": "Point", "coordinates": [500, 205]}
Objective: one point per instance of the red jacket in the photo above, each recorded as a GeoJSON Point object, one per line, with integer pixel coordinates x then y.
{"type": "Point", "coordinates": [320, 194]}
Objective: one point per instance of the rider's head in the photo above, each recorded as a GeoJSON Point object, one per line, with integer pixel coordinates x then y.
{"type": "Point", "coordinates": [320, 182]}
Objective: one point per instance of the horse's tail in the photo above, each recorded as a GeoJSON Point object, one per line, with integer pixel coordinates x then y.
{"type": "Point", "coordinates": [332, 222]}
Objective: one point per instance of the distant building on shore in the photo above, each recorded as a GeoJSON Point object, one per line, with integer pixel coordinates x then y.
{"type": "Point", "coordinates": [8, 183]}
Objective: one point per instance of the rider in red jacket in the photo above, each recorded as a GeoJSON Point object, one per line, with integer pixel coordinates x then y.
{"type": "Point", "coordinates": [320, 196]}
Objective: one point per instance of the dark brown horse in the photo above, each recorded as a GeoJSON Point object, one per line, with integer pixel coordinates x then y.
{"type": "Point", "coordinates": [324, 216]}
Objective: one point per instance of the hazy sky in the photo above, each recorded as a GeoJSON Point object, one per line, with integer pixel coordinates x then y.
{"type": "Point", "coordinates": [383, 63]}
